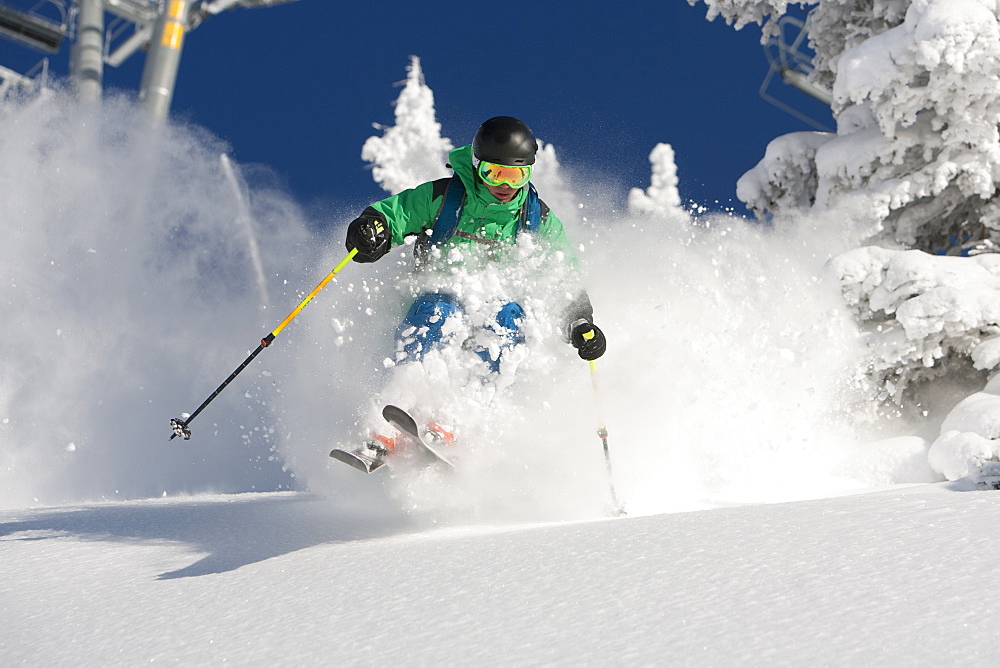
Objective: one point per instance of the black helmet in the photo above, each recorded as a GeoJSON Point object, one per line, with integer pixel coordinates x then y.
{"type": "Point", "coordinates": [505, 141]}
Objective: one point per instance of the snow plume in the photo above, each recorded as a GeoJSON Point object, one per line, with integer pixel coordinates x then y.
{"type": "Point", "coordinates": [661, 196]}
{"type": "Point", "coordinates": [734, 373]}
{"type": "Point", "coordinates": [128, 294]}
{"type": "Point", "coordinates": [413, 150]}
{"type": "Point", "coordinates": [734, 365]}
{"type": "Point", "coordinates": [516, 432]}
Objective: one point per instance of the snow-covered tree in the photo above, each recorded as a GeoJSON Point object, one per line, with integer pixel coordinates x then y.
{"type": "Point", "coordinates": [786, 178]}
{"type": "Point", "coordinates": [917, 101]}
{"type": "Point", "coordinates": [662, 196]}
{"type": "Point", "coordinates": [914, 164]}
{"type": "Point", "coordinates": [970, 435]}
{"type": "Point", "coordinates": [924, 316]}
{"type": "Point", "coordinates": [740, 13]}
{"type": "Point", "coordinates": [413, 150]}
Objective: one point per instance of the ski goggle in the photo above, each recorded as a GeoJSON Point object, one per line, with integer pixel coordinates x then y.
{"type": "Point", "coordinates": [493, 174]}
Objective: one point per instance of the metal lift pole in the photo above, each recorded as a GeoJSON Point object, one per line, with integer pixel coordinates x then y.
{"type": "Point", "coordinates": [87, 61]}
{"type": "Point", "coordinates": [164, 57]}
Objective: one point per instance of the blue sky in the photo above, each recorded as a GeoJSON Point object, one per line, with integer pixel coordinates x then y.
{"type": "Point", "coordinates": [296, 87]}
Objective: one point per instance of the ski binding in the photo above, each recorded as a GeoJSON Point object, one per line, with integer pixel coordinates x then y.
{"type": "Point", "coordinates": [405, 423]}
{"type": "Point", "coordinates": [369, 459]}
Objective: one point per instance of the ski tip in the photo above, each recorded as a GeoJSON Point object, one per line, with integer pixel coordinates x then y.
{"type": "Point", "coordinates": [354, 460]}
{"type": "Point", "coordinates": [390, 409]}
{"type": "Point", "coordinates": [402, 419]}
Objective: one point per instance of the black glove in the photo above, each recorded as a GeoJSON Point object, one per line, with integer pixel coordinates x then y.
{"type": "Point", "coordinates": [589, 341]}
{"type": "Point", "coordinates": [369, 235]}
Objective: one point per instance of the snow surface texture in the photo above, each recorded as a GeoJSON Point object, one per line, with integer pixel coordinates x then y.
{"type": "Point", "coordinates": [893, 578]}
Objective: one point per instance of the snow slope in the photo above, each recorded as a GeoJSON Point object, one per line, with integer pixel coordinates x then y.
{"type": "Point", "coordinates": [897, 577]}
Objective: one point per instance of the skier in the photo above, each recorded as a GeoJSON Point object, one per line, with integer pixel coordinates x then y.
{"type": "Point", "coordinates": [485, 205]}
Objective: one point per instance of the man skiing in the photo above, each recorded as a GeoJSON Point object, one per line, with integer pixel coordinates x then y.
{"type": "Point", "coordinates": [481, 210]}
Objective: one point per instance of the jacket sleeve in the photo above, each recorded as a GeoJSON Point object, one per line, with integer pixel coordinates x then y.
{"type": "Point", "coordinates": [409, 212]}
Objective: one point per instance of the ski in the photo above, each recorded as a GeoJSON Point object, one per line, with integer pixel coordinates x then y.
{"type": "Point", "coordinates": [357, 459]}
{"type": "Point", "coordinates": [405, 423]}
{"type": "Point", "coordinates": [362, 459]}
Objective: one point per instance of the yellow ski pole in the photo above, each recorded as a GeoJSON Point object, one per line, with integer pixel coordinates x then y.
{"type": "Point", "coordinates": [602, 431]}
{"type": "Point", "coordinates": [180, 427]}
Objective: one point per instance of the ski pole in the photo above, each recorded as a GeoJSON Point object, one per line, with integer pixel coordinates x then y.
{"type": "Point", "coordinates": [180, 427]}
{"type": "Point", "coordinates": [602, 431]}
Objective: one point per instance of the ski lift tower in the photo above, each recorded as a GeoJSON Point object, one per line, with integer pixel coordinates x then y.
{"type": "Point", "coordinates": [157, 26]}
{"type": "Point", "coordinates": [87, 56]}
{"type": "Point", "coordinates": [166, 41]}
{"type": "Point", "coordinates": [41, 27]}
{"type": "Point", "coordinates": [792, 63]}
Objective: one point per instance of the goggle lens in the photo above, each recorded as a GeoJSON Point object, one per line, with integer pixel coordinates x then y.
{"type": "Point", "coordinates": [493, 174]}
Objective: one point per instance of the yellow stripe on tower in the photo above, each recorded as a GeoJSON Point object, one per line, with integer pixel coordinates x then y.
{"type": "Point", "coordinates": [173, 34]}
{"type": "Point", "coordinates": [173, 28]}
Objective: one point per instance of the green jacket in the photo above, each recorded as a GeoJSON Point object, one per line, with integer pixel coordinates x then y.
{"type": "Point", "coordinates": [482, 215]}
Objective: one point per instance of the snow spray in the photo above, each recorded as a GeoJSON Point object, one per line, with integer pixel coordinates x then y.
{"type": "Point", "coordinates": [120, 251]}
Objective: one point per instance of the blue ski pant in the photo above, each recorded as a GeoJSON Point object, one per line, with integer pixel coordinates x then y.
{"type": "Point", "coordinates": [423, 327]}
